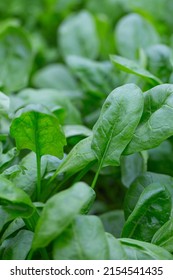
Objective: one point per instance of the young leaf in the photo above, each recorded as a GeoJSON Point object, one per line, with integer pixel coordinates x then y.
{"type": "Point", "coordinates": [16, 58]}
{"type": "Point", "coordinates": [78, 158]}
{"type": "Point", "coordinates": [139, 250]}
{"type": "Point", "coordinates": [133, 67]}
{"type": "Point", "coordinates": [14, 199]}
{"type": "Point", "coordinates": [114, 129]}
{"type": "Point", "coordinates": [39, 131]}
{"type": "Point", "coordinates": [156, 123]}
{"type": "Point", "coordinates": [150, 213]}
{"type": "Point", "coordinates": [59, 212]}
{"type": "Point", "coordinates": [84, 239]}
{"type": "Point", "coordinates": [164, 236]}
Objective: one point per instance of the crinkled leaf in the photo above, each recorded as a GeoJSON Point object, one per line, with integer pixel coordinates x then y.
{"type": "Point", "coordinates": [133, 67]}
{"type": "Point", "coordinates": [156, 123]}
{"type": "Point", "coordinates": [38, 131]}
{"type": "Point", "coordinates": [114, 128]}
{"type": "Point", "coordinates": [59, 212]}
{"type": "Point", "coordinates": [139, 250]}
{"type": "Point", "coordinates": [84, 239]}
{"type": "Point", "coordinates": [152, 210]}
{"type": "Point", "coordinates": [140, 184]}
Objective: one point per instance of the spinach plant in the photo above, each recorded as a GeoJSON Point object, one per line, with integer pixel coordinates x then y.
{"type": "Point", "coordinates": [86, 126]}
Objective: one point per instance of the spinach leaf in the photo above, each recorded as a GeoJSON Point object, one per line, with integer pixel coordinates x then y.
{"type": "Point", "coordinates": [84, 239]}
{"type": "Point", "coordinates": [150, 213]}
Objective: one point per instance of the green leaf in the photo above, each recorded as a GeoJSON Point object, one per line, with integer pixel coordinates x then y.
{"type": "Point", "coordinates": [131, 167]}
{"type": "Point", "coordinates": [84, 239]}
{"type": "Point", "coordinates": [164, 236]}
{"type": "Point", "coordinates": [116, 250]}
{"type": "Point", "coordinates": [15, 58]}
{"type": "Point", "coordinates": [73, 36]}
{"type": "Point", "coordinates": [133, 67]}
{"type": "Point", "coordinates": [114, 128]}
{"type": "Point", "coordinates": [17, 248]}
{"type": "Point", "coordinates": [4, 103]}
{"type": "Point", "coordinates": [14, 226]}
{"type": "Point", "coordinates": [55, 76]}
{"type": "Point", "coordinates": [14, 199]}
{"type": "Point", "coordinates": [75, 130]}
{"type": "Point", "coordinates": [97, 77]}
{"type": "Point", "coordinates": [139, 250]}
{"type": "Point", "coordinates": [132, 33]}
{"type": "Point", "coordinates": [78, 158]}
{"type": "Point", "coordinates": [113, 222]}
{"type": "Point", "coordinates": [140, 184]}
{"type": "Point", "coordinates": [158, 111]}
{"type": "Point", "coordinates": [52, 99]}
{"type": "Point", "coordinates": [159, 61]}
{"type": "Point", "coordinates": [150, 213]}
{"type": "Point", "coordinates": [38, 131]}
{"type": "Point", "coordinates": [59, 212]}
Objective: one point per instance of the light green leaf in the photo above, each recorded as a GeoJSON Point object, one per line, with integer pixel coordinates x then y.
{"type": "Point", "coordinates": [15, 58]}
{"type": "Point", "coordinates": [14, 199]}
{"type": "Point", "coordinates": [116, 250]}
{"type": "Point", "coordinates": [133, 67]}
{"type": "Point", "coordinates": [132, 33]}
{"type": "Point", "coordinates": [38, 130]}
{"type": "Point", "coordinates": [73, 35]}
{"type": "Point", "coordinates": [4, 103]}
{"type": "Point", "coordinates": [156, 123]}
{"type": "Point", "coordinates": [118, 119]}
{"type": "Point", "coordinates": [55, 76]}
{"type": "Point", "coordinates": [59, 212]}
{"type": "Point", "coordinates": [17, 248]}
{"type": "Point", "coordinates": [74, 130]}
{"type": "Point", "coordinates": [84, 239]}
{"type": "Point", "coordinates": [139, 250]}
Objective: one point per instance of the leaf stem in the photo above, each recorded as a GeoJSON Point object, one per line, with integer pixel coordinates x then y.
{"type": "Point", "coordinates": [38, 175]}
{"type": "Point", "coordinates": [97, 174]}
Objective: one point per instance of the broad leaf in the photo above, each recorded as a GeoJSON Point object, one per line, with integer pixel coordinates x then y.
{"type": "Point", "coordinates": [164, 236]}
{"type": "Point", "coordinates": [55, 76]}
{"type": "Point", "coordinates": [17, 248]}
{"type": "Point", "coordinates": [133, 67]}
{"type": "Point", "coordinates": [116, 250]}
{"type": "Point", "coordinates": [78, 158]}
{"type": "Point", "coordinates": [59, 212]}
{"type": "Point", "coordinates": [15, 58]}
{"type": "Point", "coordinates": [38, 131]}
{"type": "Point", "coordinates": [15, 200]}
{"type": "Point", "coordinates": [73, 36]}
{"type": "Point", "coordinates": [139, 250]}
{"type": "Point", "coordinates": [132, 33]}
{"type": "Point", "coordinates": [140, 184]}
{"type": "Point", "coordinates": [158, 111]}
{"type": "Point", "coordinates": [114, 130]}
{"type": "Point", "coordinates": [152, 210]}
{"type": "Point", "coordinates": [113, 222]}
{"type": "Point", "coordinates": [84, 239]}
